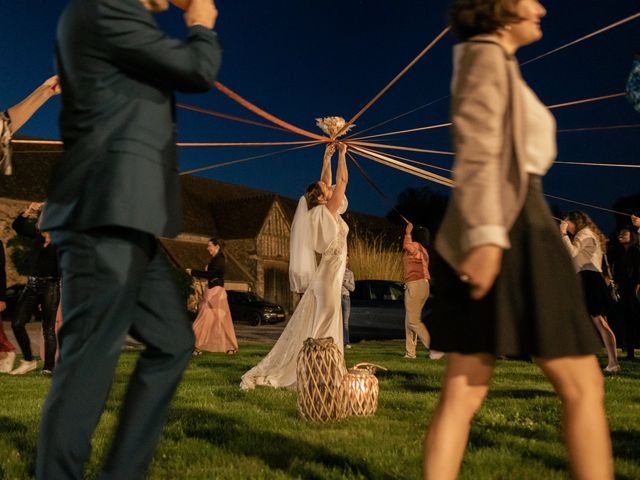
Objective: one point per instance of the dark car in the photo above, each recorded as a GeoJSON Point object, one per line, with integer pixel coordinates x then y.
{"type": "Point", "coordinates": [377, 310]}
{"type": "Point", "coordinates": [250, 308]}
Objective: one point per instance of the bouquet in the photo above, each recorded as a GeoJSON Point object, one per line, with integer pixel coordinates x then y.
{"type": "Point", "coordinates": [332, 125]}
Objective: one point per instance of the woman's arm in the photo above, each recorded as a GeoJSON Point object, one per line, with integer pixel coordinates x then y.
{"type": "Point", "coordinates": [583, 243]}
{"type": "Point", "coordinates": [342, 178]}
{"type": "Point", "coordinates": [23, 226]}
{"type": "Point", "coordinates": [21, 112]}
{"type": "Point", "coordinates": [215, 269]}
{"type": "Point", "coordinates": [479, 105]}
{"type": "Point", "coordinates": [408, 244]}
{"type": "Point", "coordinates": [325, 175]}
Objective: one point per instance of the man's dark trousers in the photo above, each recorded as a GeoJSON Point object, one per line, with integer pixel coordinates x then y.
{"type": "Point", "coordinates": [138, 295]}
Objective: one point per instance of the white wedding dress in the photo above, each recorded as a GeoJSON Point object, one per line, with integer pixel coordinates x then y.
{"type": "Point", "coordinates": [319, 312]}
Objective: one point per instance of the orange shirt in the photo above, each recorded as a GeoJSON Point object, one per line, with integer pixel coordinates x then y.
{"type": "Point", "coordinates": [415, 261]}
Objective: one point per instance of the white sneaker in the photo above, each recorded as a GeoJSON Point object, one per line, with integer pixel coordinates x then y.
{"type": "Point", "coordinates": [435, 355]}
{"type": "Point", "coordinates": [24, 367]}
{"type": "Point", "coordinates": [6, 364]}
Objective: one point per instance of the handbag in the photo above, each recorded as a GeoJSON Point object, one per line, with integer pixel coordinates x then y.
{"type": "Point", "coordinates": [614, 293]}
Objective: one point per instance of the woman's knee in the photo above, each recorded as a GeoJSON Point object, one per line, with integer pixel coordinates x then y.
{"type": "Point", "coordinates": [587, 388]}
{"type": "Point", "coordinates": [465, 401]}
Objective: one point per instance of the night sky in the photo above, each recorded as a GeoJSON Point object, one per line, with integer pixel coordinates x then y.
{"type": "Point", "coordinates": [303, 59]}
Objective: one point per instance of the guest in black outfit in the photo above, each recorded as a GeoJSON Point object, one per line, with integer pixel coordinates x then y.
{"type": "Point", "coordinates": [42, 290]}
{"type": "Point", "coordinates": [625, 268]}
{"type": "Point", "coordinates": [213, 328]}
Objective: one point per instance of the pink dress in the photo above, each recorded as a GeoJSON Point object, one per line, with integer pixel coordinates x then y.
{"type": "Point", "coordinates": [213, 327]}
{"type": "Point", "coordinates": [5, 344]}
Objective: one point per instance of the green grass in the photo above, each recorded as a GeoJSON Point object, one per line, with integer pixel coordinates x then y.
{"type": "Point", "coordinates": [216, 431]}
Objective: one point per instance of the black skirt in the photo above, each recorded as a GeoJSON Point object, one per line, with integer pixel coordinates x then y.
{"type": "Point", "coordinates": [595, 292]}
{"type": "Point", "coordinates": [536, 306]}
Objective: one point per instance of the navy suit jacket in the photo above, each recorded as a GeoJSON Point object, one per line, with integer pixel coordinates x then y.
{"type": "Point", "coordinates": [118, 72]}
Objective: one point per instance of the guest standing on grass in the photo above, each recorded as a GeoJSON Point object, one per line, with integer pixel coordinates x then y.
{"type": "Point", "coordinates": [348, 286]}
{"type": "Point", "coordinates": [586, 249]}
{"type": "Point", "coordinates": [625, 268]}
{"type": "Point", "coordinates": [213, 326]}
{"type": "Point", "coordinates": [114, 191]}
{"type": "Point", "coordinates": [506, 285]}
{"type": "Point", "coordinates": [416, 289]}
{"type": "Point", "coordinates": [41, 293]}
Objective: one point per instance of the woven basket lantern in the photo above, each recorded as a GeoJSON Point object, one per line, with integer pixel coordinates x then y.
{"type": "Point", "coordinates": [319, 375]}
{"type": "Point", "coordinates": [359, 390]}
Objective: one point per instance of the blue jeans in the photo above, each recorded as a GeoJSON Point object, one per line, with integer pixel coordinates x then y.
{"type": "Point", "coordinates": [346, 311]}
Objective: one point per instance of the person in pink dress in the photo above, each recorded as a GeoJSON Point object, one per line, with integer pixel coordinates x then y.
{"type": "Point", "coordinates": [213, 326]}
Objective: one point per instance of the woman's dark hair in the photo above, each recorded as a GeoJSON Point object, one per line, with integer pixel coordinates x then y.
{"type": "Point", "coordinates": [474, 17]}
{"type": "Point", "coordinates": [635, 241]}
{"type": "Point", "coordinates": [421, 235]}
{"type": "Point", "coordinates": [312, 195]}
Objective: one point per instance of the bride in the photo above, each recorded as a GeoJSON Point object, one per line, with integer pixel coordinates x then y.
{"type": "Point", "coordinates": [317, 227]}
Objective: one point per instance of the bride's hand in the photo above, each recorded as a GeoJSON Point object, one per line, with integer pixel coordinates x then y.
{"type": "Point", "coordinates": [330, 150]}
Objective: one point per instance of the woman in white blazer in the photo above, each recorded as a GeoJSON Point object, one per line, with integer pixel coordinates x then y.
{"type": "Point", "coordinates": [505, 285]}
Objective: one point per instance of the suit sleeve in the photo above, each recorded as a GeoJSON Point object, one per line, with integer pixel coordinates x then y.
{"type": "Point", "coordinates": [479, 104]}
{"type": "Point", "coordinates": [135, 43]}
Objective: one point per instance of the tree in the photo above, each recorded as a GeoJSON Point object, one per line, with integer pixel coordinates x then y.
{"type": "Point", "coordinates": [421, 206]}
{"type": "Point", "coordinates": [629, 205]}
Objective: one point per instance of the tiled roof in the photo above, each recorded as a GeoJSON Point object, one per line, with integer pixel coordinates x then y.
{"type": "Point", "coordinates": [195, 255]}
{"type": "Point", "coordinates": [210, 208]}
{"type": "Point", "coordinates": [242, 218]}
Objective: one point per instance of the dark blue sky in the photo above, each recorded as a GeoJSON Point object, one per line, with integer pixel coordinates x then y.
{"type": "Point", "coordinates": [303, 59]}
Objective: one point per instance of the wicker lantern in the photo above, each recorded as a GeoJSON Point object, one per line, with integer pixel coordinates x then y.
{"type": "Point", "coordinates": [320, 370]}
{"type": "Point", "coordinates": [359, 390]}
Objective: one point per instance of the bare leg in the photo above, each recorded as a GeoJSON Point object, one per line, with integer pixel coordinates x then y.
{"type": "Point", "coordinates": [465, 385]}
{"type": "Point", "coordinates": [579, 383]}
{"type": "Point", "coordinates": [608, 338]}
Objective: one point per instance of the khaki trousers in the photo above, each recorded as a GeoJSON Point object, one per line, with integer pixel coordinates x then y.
{"type": "Point", "coordinates": [415, 296]}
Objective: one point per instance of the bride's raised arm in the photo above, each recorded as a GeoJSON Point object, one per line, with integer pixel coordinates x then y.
{"type": "Point", "coordinates": [325, 175]}
{"type": "Point", "coordinates": [342, 178]}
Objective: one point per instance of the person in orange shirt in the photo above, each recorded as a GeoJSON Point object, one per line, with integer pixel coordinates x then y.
{"type": "Point", "coordinates": [416, 283]}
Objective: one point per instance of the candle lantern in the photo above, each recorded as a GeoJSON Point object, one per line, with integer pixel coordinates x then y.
{"type": "Point", "coordinates": [359, 390]}
{"type": "Point", "coordinates": [320, 369]}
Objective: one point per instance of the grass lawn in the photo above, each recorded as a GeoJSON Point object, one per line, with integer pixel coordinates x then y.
{"type": "Point", "coordinates": [216, 431]}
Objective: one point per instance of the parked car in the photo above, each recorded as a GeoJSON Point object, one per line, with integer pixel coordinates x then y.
{"type": "Point", "coordinates": [377, 310]}
{"type": "Point", "coordinates": [250, 308]}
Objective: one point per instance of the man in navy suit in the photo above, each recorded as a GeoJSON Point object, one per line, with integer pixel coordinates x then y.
{"type": "Point", "coordinates": [114, 191]}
